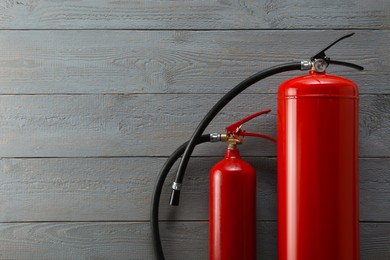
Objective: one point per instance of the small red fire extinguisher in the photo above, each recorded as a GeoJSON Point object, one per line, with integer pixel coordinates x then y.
{"type": "Point", "coordinates": [232, 211]}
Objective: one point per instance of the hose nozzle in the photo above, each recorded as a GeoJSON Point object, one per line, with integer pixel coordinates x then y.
{"type": "Point", "coordinates": [175, 198]}
{"type": "Point", "coordinates": [176, 185]}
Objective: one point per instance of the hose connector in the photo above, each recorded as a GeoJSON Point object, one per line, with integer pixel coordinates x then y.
{"type": "Point", "coordinates": [306, 65]}
{"type": "Point", "coordinates": [216, 137]}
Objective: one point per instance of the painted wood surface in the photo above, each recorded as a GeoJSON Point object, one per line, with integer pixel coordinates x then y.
{"type": "Point", "coordinates": [182, 240]}
{"type": "Point", "coordinates": [96, 61]}
{"type": "Point", "coordinates": [150, 125]}
{"type": "Point", "coordinates": [94, 94]}
{"type": "Point", "coordinates": [222, 14]}
{"type": "Point", "coordinates": [119, 189]}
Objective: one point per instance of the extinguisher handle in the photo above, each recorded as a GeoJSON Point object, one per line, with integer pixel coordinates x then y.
{"type": "Point", "coordinates": [235, 127]}
{"type": "Point", "coordinates": [321, 54]}
{"type": "Point", "coordinates": [347, 64]}
{"type": "Point", "coordinates": [243, 133]}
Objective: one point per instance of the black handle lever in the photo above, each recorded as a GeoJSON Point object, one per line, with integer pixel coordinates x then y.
{"type": "Point", "coordinates": [322, 55]}
{"type": "Point", "coordinates": [347, 64]}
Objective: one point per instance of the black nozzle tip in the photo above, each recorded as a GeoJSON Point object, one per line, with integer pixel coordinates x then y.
{"type": "Point", "coordinates": [175, 197]}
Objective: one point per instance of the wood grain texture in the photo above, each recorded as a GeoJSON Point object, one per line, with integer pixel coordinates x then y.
{"type": "Point", "coordinates": [221, 14]}
{"type": "Point", "coordinates": [107, 61]}
{"type": "Point", "coordinates": [133, 241]}
{"type": "Point", "coordinates": [106, 89]}
{"type": "Point", "coordinates": [120, 189]}
{"type": "Point", "coordinates": [150, 125]}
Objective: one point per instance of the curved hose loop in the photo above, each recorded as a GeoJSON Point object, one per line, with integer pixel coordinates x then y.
{"type": "Point", "coordinates": [215, 110]}
{"type": "Point", "coordinates": [197, 138]}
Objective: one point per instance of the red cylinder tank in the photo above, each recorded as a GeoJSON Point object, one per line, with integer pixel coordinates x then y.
{"type": "Point", "coordinates": [318, 206]}
{"type": "Point", "coordinates": [232, 233]}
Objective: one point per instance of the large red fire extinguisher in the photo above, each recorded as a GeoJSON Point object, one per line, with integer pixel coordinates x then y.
{"type": "Point", "coordinates": [318, 207]}
{"type": "Point", "coordinates": [232, 211]}
{"type": "Point", "coordinates": [318, 216]}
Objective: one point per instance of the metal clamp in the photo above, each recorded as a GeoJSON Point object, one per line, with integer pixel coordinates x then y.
{"type": "Point", "coordinates": [215, 137]}
{"type": "Point", "coordinates": [306, 65]}
{"type": "Point", "coordinates": [176, 186]}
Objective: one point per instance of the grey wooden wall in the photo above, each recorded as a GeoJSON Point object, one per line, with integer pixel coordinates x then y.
{"type": "Point", "coordinates": [94, 95]}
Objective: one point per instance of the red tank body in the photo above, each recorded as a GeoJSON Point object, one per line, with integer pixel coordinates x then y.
{"type": "Point", "coordinates": [232, 233]}
{"type": "Point", "coordinates": [318, 205]}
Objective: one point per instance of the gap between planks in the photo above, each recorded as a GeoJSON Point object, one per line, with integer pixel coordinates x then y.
{"type": "Point", "coordinates": [203, 29]}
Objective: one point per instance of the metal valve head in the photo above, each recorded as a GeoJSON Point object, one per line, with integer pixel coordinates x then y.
{"type": "Point", "coordinates": [320, 61]}
{"type": "Point", "coordinates": [236, 131]}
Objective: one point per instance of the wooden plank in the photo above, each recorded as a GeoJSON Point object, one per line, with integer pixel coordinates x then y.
{"type": "Point", "coordinates": [374, 189]}
{"type": "Point", "coordinates": [120, 189]}
{"type": "Point", "coordinates": [181, 240]}
{"type": "Point", "coordinates": [150, 125]}
{"type": "Point", "coordinates": [34, 62]}
{"type": "Point", "coordinates": [35, 14]}
{"type": "Point", "coordinates": [375, 242]}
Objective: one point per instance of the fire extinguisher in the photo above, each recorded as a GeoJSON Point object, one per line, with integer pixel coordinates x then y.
{"type": "Point", "coordinates": [318, 207]}
{"type": "Point", "coordinates": [232, 222]}
{"type": "Point", "coordinates": [317, 163]}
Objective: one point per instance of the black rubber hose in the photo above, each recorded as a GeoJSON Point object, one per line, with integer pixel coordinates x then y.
{"type": "Point", "coordinates": [174, 201]}
{"type": "Point", "coordinates": [157, 193]}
